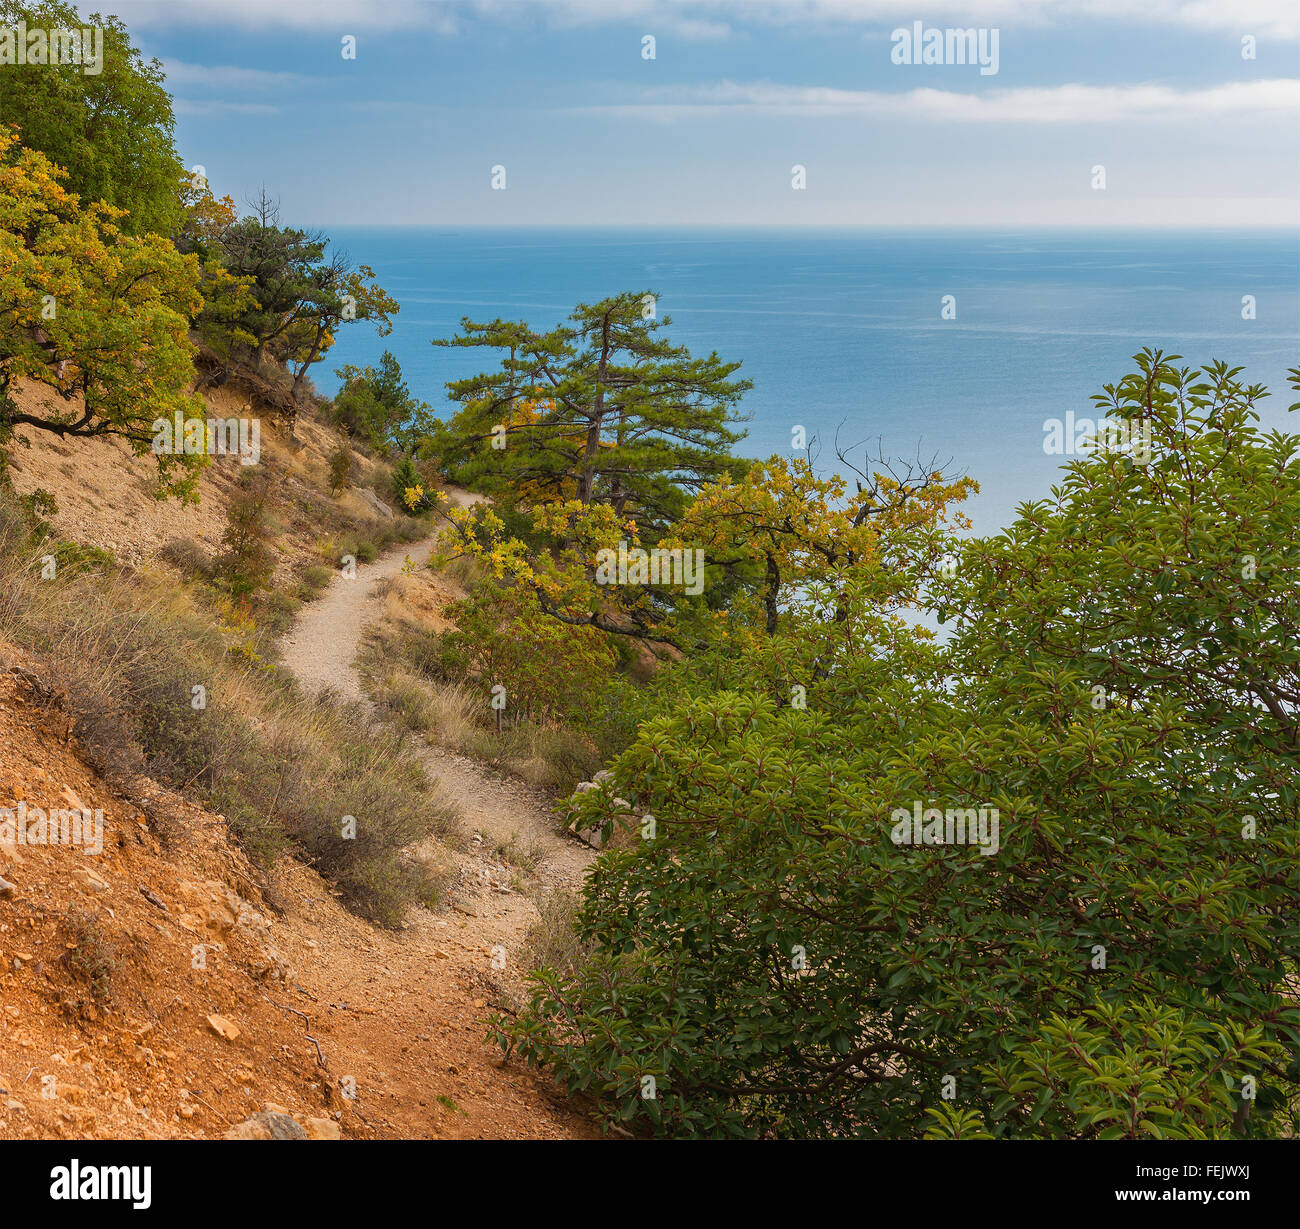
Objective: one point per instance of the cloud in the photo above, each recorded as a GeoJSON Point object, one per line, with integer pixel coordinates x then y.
{"type": "Point", "coordinates": [1061, 104]}
{"type": "Point", "coordinates": [697, 21]}
{"type": "Point", "coordinates": [713, 18]}
{"type": "Point", "coordinates": [221, 106]}
{"type": "Point", "coordinates": [344, 16]}
{"type": "Point", "coordinates": [704, 19]}
{"type": "Point", "coordinates": [227, 76]}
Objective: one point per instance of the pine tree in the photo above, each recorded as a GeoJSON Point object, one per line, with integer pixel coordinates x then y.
{"type": "Point", "coordinates": [601, 409]}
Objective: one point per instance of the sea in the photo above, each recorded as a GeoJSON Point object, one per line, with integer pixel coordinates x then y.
{"type": "Point", "coordinates": [956, 346]}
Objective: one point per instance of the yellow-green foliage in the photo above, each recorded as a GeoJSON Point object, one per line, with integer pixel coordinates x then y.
{"type": "Point", "coordinates": [97, 316]}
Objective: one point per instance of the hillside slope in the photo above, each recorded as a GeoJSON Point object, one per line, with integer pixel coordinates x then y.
{"type": "Point", "coordinates": [167, 987]}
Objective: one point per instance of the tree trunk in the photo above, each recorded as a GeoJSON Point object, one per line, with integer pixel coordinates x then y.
{"type": "Point", "coordinates": [587, 478]}
{"type": "Point", "coordinates": [772, 593]}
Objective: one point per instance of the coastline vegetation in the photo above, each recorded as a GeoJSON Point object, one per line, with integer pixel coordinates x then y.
{"type": "Point", "coordinates": [1117, 678]}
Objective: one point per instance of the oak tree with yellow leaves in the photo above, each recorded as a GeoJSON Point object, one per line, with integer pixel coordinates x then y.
{"type": "Point", "coordinates": [97, 317]}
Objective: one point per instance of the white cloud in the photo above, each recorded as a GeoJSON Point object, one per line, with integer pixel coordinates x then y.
{"type": "Point", "coordinates": [1277, 18]}
{"type": "Point", "coordinates": [1061, 104]}
{"type": "Point", "coordinates": [700, 20]}
{"type": "Point", "coordinates": [703, 19]}
{"type": "Point", "coordinates": [357, 17]}
{"type": "Point", "coordinates": [713, 18]}
{"type": "Point", "coordinates": [221, 106]}
{"type": "Point", "coordinates": [226, 76]}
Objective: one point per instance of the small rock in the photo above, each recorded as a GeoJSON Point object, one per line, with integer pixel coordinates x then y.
{"type": "Point", "coordinates": [88, 879]}
{"type": "Point", "coordinates": [70, 797]}
{"type": "Point", "coordinates": [7, 888]}
{"type": "Point", "coordinates": [223, 1027]}
{"type": "Point", "coordinates": [323, 1128]}
{"type": "Point", "coordinates": [595, 837]}
{"type": "Point", "coordinates": [266, 1126]}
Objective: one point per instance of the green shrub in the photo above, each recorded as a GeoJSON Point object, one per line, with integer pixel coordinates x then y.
{"type": "Point", "coordinates": [180, 741]}
{"type": "Point", "coordinates": [375, 405]}
{"type": "Point", "coordinates": [247, 562]}
{"type": "Point", "coordinates": [412, 486]}
{"type": "Point", "coordinates": [1117, 959]}
{"type": "Point", "coordinates": [275, 611]}
{"type": "Point", "coordinates": [341, 463]}
{"type": "Point", "coordinates": [550, 670]}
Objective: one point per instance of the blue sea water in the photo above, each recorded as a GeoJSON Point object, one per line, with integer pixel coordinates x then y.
{"type": "Point", "coordinates": [840, 330]}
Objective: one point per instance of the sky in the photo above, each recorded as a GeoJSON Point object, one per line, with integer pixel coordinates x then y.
{"type": "Point", "coordinates": [1191, 107]}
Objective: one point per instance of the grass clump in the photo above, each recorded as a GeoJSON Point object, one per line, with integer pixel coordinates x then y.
{"type": "Point", "coordinates": [553, 942]}
{"type": "Point", "coordinates": [315, 579]}
{"type": "Point", "coordinates": [90, 958]}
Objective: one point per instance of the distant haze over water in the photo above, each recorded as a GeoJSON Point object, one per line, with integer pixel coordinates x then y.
{"type": "Point", "coordinates": [840, 330]}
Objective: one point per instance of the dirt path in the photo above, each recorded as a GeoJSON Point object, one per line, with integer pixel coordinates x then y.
{"type": "Point", "coordinates": [320, 647]}
{"type": "Point", "coordinates": [428, 991]}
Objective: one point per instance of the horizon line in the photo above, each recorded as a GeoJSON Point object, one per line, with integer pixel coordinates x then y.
{"type": "Point", "coordinates": [807, 226]}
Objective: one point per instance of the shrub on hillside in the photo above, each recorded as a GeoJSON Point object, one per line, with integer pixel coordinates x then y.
{"type": "Point", "coordinates": [547, 670]}
{"type": "Point", "coordinates": [413, 486]}
{"type": "Point", "coordinates": [777, 955]}
{"type": "Point", "coordinates": [90, 958]}
{"type": "Point", "coordinates": [188, 557]}
{"type": "Point", "coordinates": [247, 561]}
{"type": "Point", "coordinates": [341, 464]}
{"type": "Point", "coordinates": [314, 580]}
{"type": "Point", "coordinates": [375, 405]}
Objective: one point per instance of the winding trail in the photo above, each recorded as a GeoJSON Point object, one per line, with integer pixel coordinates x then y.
{"type": "Point", "coordinates": [320, 647]}
{"type": "Point", "coordinates": [445, 957]}
{"type": "Point", "coordinates": [320, 650]}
